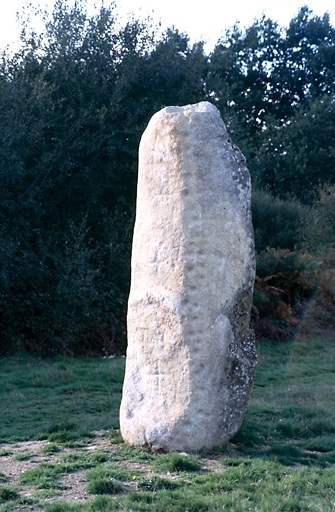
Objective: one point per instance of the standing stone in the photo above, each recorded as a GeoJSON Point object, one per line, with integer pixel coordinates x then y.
{"type": "Point", "coordinates": [191, 356]}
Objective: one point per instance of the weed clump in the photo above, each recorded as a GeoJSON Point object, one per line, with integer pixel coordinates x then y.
{"type": "Point", "coordinates": [3, 477]}
{"type": "Point", "coordinates": [50, 448]}
{"type": "Point", "coordinates": [23, 456]}
{"type": "Point", "coordinates": [64, 506]}
{"type": "Point", "coordinates": [43, 476]}
{"type": "Point", "coordinates": [7, 493]}
{"type": "Point", "coordinates": [156, 483]}
{"type": "Point", "coordinates": [104, 486]}
{"type": "Point", "coordinates": [176, 462]}
{"type": "Point", "coordinates": [5, 453]}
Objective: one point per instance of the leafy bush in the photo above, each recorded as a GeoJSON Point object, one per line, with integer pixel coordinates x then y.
{"type": "Point", "coordinates": [285, 281]}
{"type": "Point", "coordinates": [318, 232]}
{"type": "Point", "coordinates": [319, 314]}
{"type": "Point", "coordinates": [291, 243]}
{"type": "Point", "coordinates": [64, 296]}
{"type": "Point", "coordinates": [277, 223]}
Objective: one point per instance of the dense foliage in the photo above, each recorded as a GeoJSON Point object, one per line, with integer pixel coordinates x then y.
{"type": "Point", "coordinates": [74, 100]}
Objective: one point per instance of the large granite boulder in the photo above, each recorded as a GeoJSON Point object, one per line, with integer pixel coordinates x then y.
{"type": "Point", "coordinates": [191, 355]}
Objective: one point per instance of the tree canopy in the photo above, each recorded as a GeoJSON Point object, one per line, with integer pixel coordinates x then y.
{"type": "Point", "coordinates": [278, 87]}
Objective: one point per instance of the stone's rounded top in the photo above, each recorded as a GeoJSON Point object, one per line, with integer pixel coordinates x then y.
{"type": "Point", "coordinates": [204, 113]}
{"type": "Point", "coordinates": [203, 106]}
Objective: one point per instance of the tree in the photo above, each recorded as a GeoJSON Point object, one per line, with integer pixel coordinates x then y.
{"type": "Point", "coordinates": [272, 86]}
{"type": "Point", "coordinates": [61, 166]}
{"type": "Point", "coordinates": [240, 72]}
{"type": "Point", "coordinates": [298, 159]}
{"type": "Point", "coordinates": [309, 57]}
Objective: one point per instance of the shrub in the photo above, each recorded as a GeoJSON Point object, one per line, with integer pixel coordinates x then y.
{"type": "Point", "coordinates": [319, 314]}
{"type": "Point", "coordinates": [292, 241]}
{"type": "Point", "coordinates": [61, 297]}
{"type": "Point", "coordinates": [277, 223]}
{"type": "Point", "coordinates": [318, 231]}
{"type": "Point", "coordinates": [285, 281]}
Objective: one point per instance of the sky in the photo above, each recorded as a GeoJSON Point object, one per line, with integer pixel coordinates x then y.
{"type": "Point", "coordinates": [203, 20]}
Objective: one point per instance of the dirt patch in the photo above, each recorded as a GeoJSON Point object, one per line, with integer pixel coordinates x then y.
{"type": "Point", "coordinates": [74, 486]}
{"type": "Point", "coordinates": [12, 465]}
{"type": "Point", "coordinates": [17, 458]}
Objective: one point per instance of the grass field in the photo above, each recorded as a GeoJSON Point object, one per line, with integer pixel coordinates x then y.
{"type": "Point", "coordinates": [60, 449]}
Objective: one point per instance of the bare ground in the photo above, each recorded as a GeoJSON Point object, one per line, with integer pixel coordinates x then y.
{"type": "Point", "coordinates": [73, 484]}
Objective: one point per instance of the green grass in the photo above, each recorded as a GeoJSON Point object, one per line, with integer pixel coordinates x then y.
{"type": "Point", "coordinates": [5, 452]}
{"type": "Point", "coordinates": [281, 460]}
{"type": "Point", "coordinates": [112, 471]}
{"type": "Point", "coordinates": [155, 483]}
{"type": "Point", "coordinates": [61, 399]}
{"type": "Point", "coordinates": [3, 477]}
{"type": "Point", "coordinates": [7, 493]}
{"type": "Point", "coordinates": [51, 448]}
{"type": "Point", "coordinates": [81, 460]}
{"type": "Point", "coordinates": [291, 417]}
{"type": "Point", "coordinates": [23, 456]}
{"type": "Point", "coordinates": [176, 462]}
{"type": "Point", "coordinates": [104, 486]}
{"type": "Point", "coordinates": [43, 476]}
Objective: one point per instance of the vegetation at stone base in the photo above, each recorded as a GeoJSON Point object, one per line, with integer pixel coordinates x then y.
{"type": "Point", "coordinates": [175, 462]}
{"type": "Point", "coordinates": [74, 101]}
{"type": "Point", "coordinates": [281, 459]}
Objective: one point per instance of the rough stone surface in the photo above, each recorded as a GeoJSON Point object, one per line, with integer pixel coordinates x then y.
{"type": "Point", "coordinates": [191, 356]}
